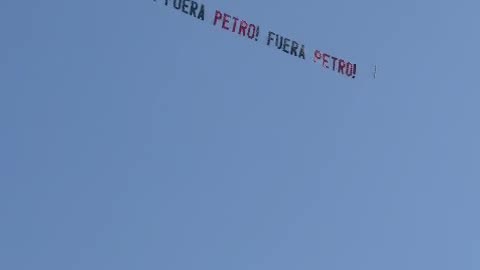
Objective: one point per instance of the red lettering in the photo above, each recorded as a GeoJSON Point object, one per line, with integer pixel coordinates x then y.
{"type": "Point", "coordinates": [334, 62]}
{"type": "Point", "coordinates": [225, 21]}
{"type": "Point", "coordinates": [318, 56]}
{"type": "Point", "coordinates": [232, 23]}
{"type": "Point", "coordinates": [349, 69]}
{"type": "Point", "coordinates": [325, 60]}
{"type": "Point", "coordinates": [243, 28]}
{"type": "Point", "coordinates": [251, 31]}
{"type": "Point", "coordinates": [235, 20]}
{"type": "Point", "coordinates": [341, 66]}
{"type": "Point", "coordinates": [218, 16]}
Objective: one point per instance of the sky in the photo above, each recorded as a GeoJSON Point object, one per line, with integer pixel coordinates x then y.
{"type": "Point", "coordinates": [134, 136]}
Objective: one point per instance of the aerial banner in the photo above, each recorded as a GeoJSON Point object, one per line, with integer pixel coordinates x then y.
{"type": "Point", "coordinates": [240, 26]}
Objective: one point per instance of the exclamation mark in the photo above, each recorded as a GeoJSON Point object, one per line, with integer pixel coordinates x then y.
{"type": "Point", "coordinates": [257, 33]}
{"type": "Point", "coordinates": [354, 70]}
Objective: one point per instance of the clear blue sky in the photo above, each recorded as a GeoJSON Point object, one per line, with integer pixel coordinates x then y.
{"type": "Point", "coordinates": [133, 136]}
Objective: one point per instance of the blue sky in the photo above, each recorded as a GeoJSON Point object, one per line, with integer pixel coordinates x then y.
{"type": "Point", "coordinates": [136, 137]}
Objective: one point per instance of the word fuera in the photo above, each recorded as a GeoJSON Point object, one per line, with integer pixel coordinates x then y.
{"type": "Point", "coordinates": [286, 45]}
{"type": "Point", "coordinates": [188, 7]}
